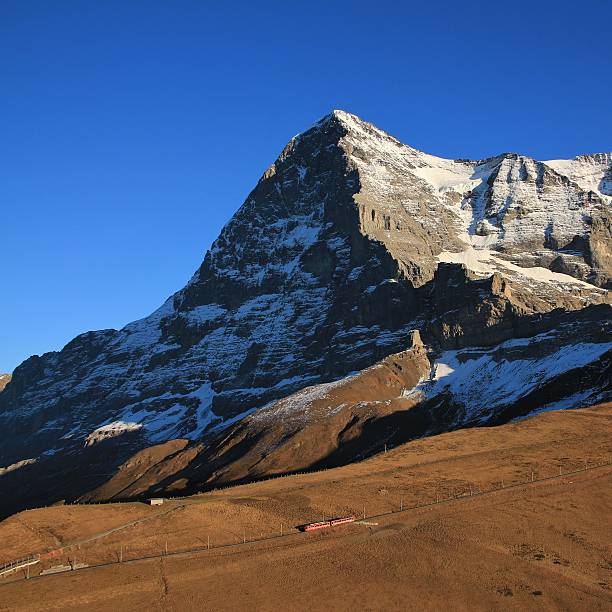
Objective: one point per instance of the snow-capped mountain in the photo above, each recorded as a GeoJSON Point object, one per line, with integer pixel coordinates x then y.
{"type": "Point", "coordinates": [349, 241]}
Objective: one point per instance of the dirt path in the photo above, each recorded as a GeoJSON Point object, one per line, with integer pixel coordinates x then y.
{"type": "Point", "coordinates": [103, 534]}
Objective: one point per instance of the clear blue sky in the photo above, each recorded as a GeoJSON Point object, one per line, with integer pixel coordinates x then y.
{"type": "Point", "coordinates": [130, 131]}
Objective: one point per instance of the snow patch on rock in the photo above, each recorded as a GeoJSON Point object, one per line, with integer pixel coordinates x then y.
{"type": "Point", "coordinates": [112, 430]}
{"type": "Point", "coordinates": [16, 466]}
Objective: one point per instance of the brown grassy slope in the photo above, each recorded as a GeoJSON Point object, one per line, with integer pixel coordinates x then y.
{"type": "Point", "coordinates": [543, 546]}
{"type": "Point", "coordinates": [145, 467]}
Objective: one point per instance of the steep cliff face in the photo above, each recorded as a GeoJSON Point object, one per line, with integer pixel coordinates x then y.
{"type": "Point", "coordinates": [291, 293]}
{"type": "Point", "coordinates": [349, 241]}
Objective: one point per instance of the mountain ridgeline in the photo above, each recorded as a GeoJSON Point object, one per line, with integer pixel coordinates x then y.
{"type": "Point", "coordinates": [365, 293]}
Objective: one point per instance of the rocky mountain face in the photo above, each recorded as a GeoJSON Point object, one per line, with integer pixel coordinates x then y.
{"type": "Point", "coordinates": [349, 242]}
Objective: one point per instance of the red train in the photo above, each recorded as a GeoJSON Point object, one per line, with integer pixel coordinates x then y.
{"type": "Point", "coordinates": [331, 523]}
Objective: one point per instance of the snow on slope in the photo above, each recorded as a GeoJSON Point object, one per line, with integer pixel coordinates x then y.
{"type": "Point", "coordinates": [591, 172]}
{"type": "Point", "coordinates": [446, 175]}
{"type": "Point", "coordinates": [487, 261]}
{"type": "Point", "coordinates": [299, 402]}
{"type": "Point", "coordinates": [484, 379]}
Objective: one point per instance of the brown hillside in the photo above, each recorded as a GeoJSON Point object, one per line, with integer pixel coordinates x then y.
{"type": "Point", "coordinates": [528, 545]}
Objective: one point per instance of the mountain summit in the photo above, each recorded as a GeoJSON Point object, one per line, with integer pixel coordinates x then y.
{"type": "Point", "coordinates": [349, 243]}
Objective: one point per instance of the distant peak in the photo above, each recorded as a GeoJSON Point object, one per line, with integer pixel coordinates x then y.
{"type": "Point", "coordinates": [339, 116]}
{"type": "Point", "coordinates": [336, 117]}
{"type": "Point", "coordinates": [344, 115]}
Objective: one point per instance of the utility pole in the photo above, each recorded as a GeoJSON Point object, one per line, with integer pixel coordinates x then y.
{"type": "Point", "coordinates": [208, 543]}
{"type": "Point", "coordinates": [121, 554]}
{"type": "Point", "coordinates": [166, 547]}
{"type": "Point", "coordinates": [281, 530]}
{"type": "Point", "coordinates": [401, 504]}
